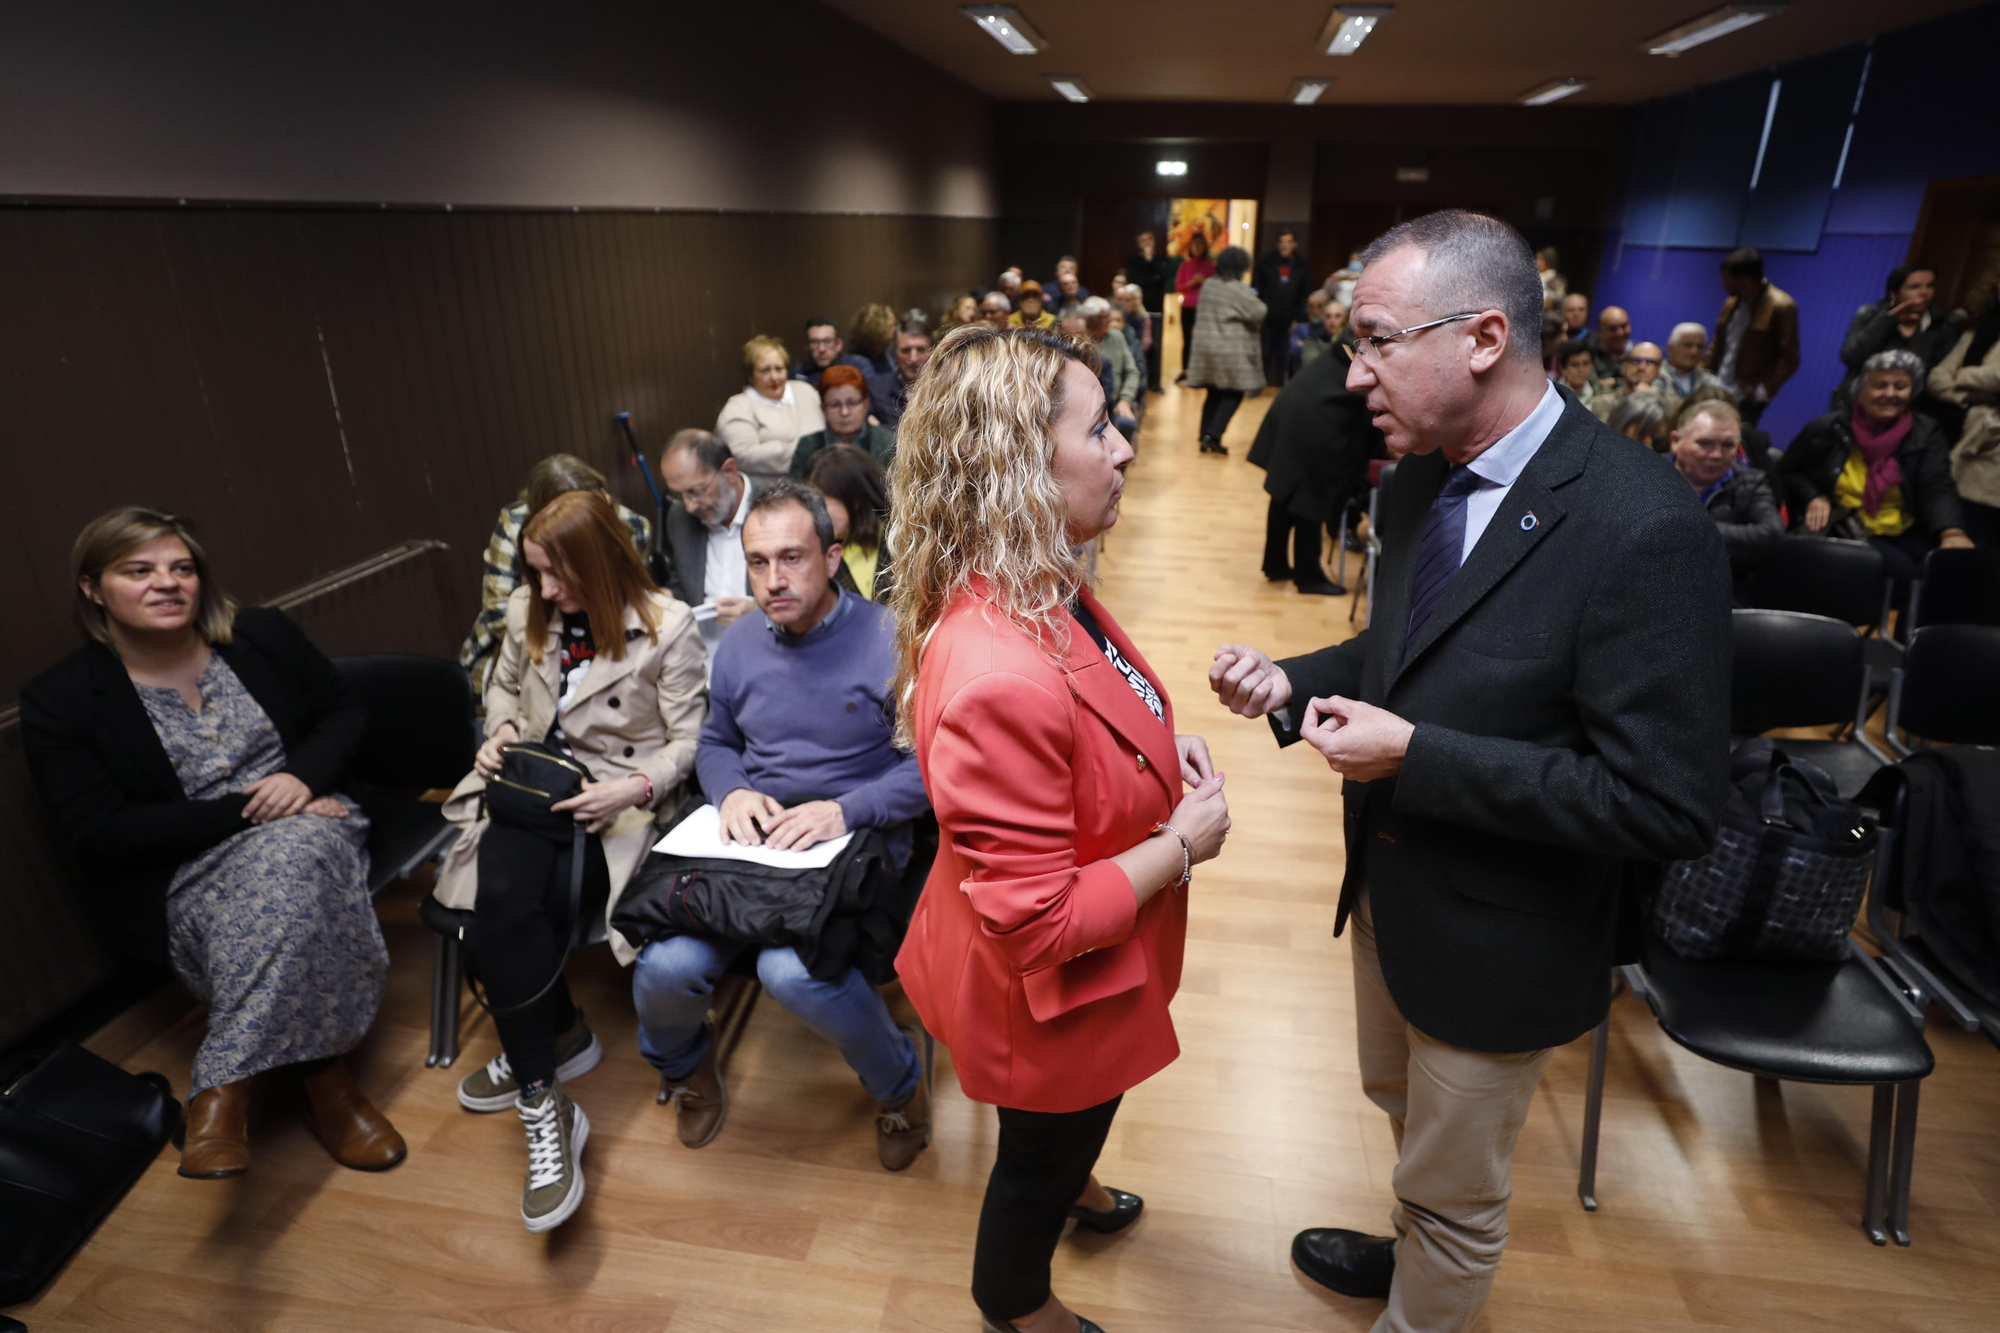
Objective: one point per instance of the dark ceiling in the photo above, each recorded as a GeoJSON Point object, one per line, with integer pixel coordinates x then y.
{"type": "Point", "coordinates": [1427, 51]}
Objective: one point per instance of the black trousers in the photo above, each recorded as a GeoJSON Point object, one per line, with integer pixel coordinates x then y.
{"type": "Point", "coordinates": [1982, 522]}
{"type": "Point", "coordinates": [1751, 409]}
{"type": "Point", "coordinates": [1188, 313]}
{"type": "Point", "coordinates": [520, 938]}
{"type": "Point", "coordinates": [1304, 535]}
{"type": "Point", "coordinates": [1276, 335]}
{"type": "Point", "coordinates": [1159, 327]}
{"type": "Point", "coordinates": [1216, 410]}
{"type": "Point", "coordinates": [1044, 1161]}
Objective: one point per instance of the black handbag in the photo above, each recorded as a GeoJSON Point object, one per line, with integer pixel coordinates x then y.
{"type": "Point", "coordinates": [533, 779]}
{"type": "Point", "coordinates": [1786, 875]}
{"type": "Point", "coordinates": [75, 1132]}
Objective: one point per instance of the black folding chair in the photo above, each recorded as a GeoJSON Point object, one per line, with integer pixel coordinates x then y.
{"type": "Point", "coordinates": [1945, 692]}
{"type": "Point", "coordinates": [1790, 669]}
{"type": "Point", "coordinates": [1844, 1023]}
{"type": "Point", "coordinates": [1831, 577]}
{"type": "Point", "coordinates": [421, 736]}
{"type": "Point", "coordinates": [1959, 587]}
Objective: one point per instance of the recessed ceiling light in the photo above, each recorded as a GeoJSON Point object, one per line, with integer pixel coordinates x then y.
{"type": "Point", "coordinates": [1553, 91]}
{"type": "Point", "coordinates": [1170, 168]}
{"type": "Point", "coordinates": [1348, 27]}
{"type": "Point", "coordinates": [1070, 86]}
{"type": "Point", "coordinates": [1716, 23]}
{"type": "Point", "coordinates": [1004, 24]}
{"type": "Point", "coordinates": [1307, 91]}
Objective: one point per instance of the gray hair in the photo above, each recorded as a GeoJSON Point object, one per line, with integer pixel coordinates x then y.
{"type": "Point", "coordinates": [1095, 307]}
{"type": "Point", "coordinates": [708, 448]}
{"type": "Point", "coordinates": [1472, 262]}
{"type": "Point", "coordinates": [996, 295]}
{"type": "Point", "coordinates": [1896, 358]}
{"type": "Point", "coordinates": [1647, 411]}
{"type": "Point", "coordinates": [783, 491]}
{"type": "Point", "coordinates": [1688, 326]}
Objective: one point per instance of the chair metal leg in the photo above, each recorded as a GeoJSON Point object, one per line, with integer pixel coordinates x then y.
{"type": "Point", "coordinates": [1903, 1159]}
{"type": "Point", "coordinates": [1874, 1209]}
{"type": "Point", "coordinates": [1340, 548]}
{"type": "Point", "coordinates": [1593, 1114]}
{"type": "Point", "coordinates": [447, 984]}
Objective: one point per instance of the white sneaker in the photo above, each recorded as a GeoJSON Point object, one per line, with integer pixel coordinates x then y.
{"type": "Point", "coordinates": [557, 1130]}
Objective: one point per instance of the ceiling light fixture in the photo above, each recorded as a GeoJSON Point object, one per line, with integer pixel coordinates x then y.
{"type": "Point", "coordinates": [1553, 91]}
{"type": "Point", "coordinates": [1307, 91]}
{"type": "Point", "coordinates": [1004, 24]}
{"type": "Point", "coordinates": [1170, 168]}
{"type": "Point", "coordinates": [1716, 23]}
{"type": "Point", "coordinates": [1348, 27]}
{"type": "Point", "coordinates": [1070, 86]}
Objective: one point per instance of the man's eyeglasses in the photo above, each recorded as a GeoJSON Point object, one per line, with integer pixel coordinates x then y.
{"type": "Point", "coordinates": [1368, 346]}
{"type": "Point", "coordinates": [1643, 360]}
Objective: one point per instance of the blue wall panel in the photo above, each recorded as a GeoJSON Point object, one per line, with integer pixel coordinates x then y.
{"type": "Point", "coordinates": [1723, 126]}
{"type": "Point", "coordinates": [1653, 160]}
{"type": "Point", "coordinates": [1788, 206]}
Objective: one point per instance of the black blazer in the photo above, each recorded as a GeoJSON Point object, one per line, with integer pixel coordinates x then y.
{"type": "Point", "coordinates": [113, 792]}
{"type": "Point", "coordinates": [1315, 442]}
{"type": "Point", "coordinates": [1571, 699]}
{"type": "Point", "coordinates": [687, 538]}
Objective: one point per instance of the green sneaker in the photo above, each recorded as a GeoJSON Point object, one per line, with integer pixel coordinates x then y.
{"type": "Point", "coordinates": [557, 1130]}
{"type": "Point", "coordinates": [494, 1088]}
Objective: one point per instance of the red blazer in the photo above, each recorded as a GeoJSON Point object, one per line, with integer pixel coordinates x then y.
{"type": "Point", "coordinates": [1028, 955]}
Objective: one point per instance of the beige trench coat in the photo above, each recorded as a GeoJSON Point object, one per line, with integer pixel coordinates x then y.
{"type": "Point", "coordinates": [639, 715]}
{"type": "Point", "coordinates": [1975, 461]}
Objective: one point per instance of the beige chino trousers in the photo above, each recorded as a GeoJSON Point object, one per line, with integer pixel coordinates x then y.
{"type": "Point", "coordinates": [1455, 1114]}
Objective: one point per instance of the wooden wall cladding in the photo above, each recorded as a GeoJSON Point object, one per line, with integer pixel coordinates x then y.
{"type": "Point", "coordinates": [312, 385]}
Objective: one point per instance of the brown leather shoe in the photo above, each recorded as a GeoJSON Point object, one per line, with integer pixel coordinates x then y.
{"type": "Point", "coordinates": [358, 1135]}
{"type": "Point", "coordinates": [218, 1132]}
{"type": "Point", "coordinates": [903, 1132]}
{"type": "Point", "coordinates": [700, 1101]}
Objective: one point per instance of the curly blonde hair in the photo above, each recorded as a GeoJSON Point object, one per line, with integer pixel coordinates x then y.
{"type": "Point", "coordinates": [973, 492]}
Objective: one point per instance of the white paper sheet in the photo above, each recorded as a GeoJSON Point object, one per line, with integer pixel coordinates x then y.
{"type": "Point", "coordinates": [700, 836]}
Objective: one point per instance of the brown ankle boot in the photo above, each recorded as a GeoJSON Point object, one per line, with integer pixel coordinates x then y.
{"type": "Point", "coordinates": [903, 1132]}
{"type": "Point", "coordinates": [358, 1135]}
{"type": "Point", "coordinates": [700, 1101]}
{"type": "Point", "coordinates": [218, 1132]}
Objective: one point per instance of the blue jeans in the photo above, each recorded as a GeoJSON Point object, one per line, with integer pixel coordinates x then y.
{"type": "Point", "coordinates": [674, 981]}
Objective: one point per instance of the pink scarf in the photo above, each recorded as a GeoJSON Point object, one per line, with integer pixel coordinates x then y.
{"type": "Point", "coordinates": [1878, 450]}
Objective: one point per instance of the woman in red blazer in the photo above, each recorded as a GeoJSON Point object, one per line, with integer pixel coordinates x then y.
{"type": "Point", "coordinates": [1048, 941]}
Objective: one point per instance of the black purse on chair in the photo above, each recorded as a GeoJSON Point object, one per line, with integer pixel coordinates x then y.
{"type": "Point", "coordinates": [76, 1132]}
{"type": "Point", "coordinates": [533, 779]}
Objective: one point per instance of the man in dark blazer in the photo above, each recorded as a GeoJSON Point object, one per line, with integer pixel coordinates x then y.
{"type": "Point", "coordinates": [704, 529]}
{"type": "Point", "coordinates": [1538, 710]}
{"type": "Point", "coordinates": [1282, 279]}
{"type": "Point", "coordinates": [1315, 443]}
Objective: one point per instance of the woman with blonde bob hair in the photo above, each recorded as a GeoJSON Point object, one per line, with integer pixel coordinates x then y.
{"type": "Point", "coordinates": [1047, 943]}
{"type": "Point", "coordinates": [764, 423]}
{"type": "Point", "coordinates": [190, 752]}
{"type": "Point", "coordinates": [601, 666]}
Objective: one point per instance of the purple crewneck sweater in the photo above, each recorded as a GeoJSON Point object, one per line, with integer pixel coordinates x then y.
{"type": "Point", "coordinates": [803, 717]}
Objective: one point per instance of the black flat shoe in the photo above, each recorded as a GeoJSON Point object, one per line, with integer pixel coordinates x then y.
{"type": "Point", "coordinates": [1349, 1262]}
{"type": "Point", "coordinates": [1279, 576]}
{"type": "Point", "coordinates": [1323, 588]}
{"type": "Point", "coordinates": [1124, 1211]}
{"type": "Point", "coordinates": [1001, 1326]}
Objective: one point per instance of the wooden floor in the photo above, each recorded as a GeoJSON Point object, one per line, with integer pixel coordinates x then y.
{"type": "Point", "coordinates": [1724, 1205]}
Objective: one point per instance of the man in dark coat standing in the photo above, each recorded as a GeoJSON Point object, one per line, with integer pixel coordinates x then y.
{"type": "Point", "coordinates": [1539, 708]}
{"type": "Point", "coordinates": [1314, 445]}
{"type": "Point", "coordinates": [1283, 279]}
{"type": "Point", "coordinates": [1150, 270]}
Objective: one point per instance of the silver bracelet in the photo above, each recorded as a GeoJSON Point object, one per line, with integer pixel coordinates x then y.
{"type": "Point", "coordinates": [1187, 852]}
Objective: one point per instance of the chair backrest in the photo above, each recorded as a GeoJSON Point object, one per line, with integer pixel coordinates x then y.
{"type": "Point", "coordinates": [1951, 685]}
{"type": "Point", "coordinates": [422, 732]}
{"type": "Point", "coordinates": [1960, 587]}
{"type": "Point", "coordinates": [1790, 669]}
{"type": "Point", "coordinates": [1822, 577]}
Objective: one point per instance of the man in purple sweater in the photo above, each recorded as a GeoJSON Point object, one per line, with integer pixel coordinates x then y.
{"type": "Point", "coordinates": [796, 750]}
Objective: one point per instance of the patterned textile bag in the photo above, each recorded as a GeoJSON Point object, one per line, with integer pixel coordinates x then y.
{"type": "Point", "coordinates": [1787, 872]}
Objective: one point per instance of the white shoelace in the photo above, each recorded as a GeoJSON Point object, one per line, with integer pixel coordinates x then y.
{"type": "Point", "coordinates": [545, 1145]}
{"type": "Point", "coordinates": [895, 1122]}
{"type": "Point", "coordinates": [498, 1070]}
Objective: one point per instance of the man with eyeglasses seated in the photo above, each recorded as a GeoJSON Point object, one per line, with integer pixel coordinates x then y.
{"type": "Point", "coordinates": [797, 750]}
{"type": "Point", "coordinates": [1638, 372]}
{"type": "Point", "coordinates": [704, 527]}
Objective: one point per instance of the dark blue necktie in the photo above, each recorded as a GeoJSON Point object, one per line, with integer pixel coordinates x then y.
{"type": "Point", "coordinates": [1442, 546]}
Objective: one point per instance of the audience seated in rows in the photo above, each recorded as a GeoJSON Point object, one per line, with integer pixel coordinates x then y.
{"type": "Point", "coordinates": [1227, 358]}
{"type": "Point", "coordinates": [704, 524]}
{"type": "Point", "coordinates": [1737, 496]}
{"type": "Point", "coordinates": [606, 669]}
{"type": "Point", "coordinates": [796, 750]}
{"type": "Point", "coordinates": [1031, 315]}
{"type": "Point", "coordinates": [547, 479]}
{"type": "Point", "coordinates": [764, 422]}
{"type": "Point", "coordinates": [1877, 472]}
{"type": "Point", "coordinates": [844, 399]}
{"type": "Point", "coordinates": [1969, 379]}
{"type": "Point", "coordinates": [189, 752]}
{"type": "Point", "coordinates": [1756, 347]}
{"type": "Point", "coordinates": [1127, 385]}
{"type": "Point", "coordinates": [887, 394]}
{"type": "Point", "coordinates": [856, 490]}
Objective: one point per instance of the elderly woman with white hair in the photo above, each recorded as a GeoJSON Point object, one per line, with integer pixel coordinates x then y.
{"type": "Point", "coordinates": [1877, 472]}
{"type": "Point", "coordinates": [1128, 383]}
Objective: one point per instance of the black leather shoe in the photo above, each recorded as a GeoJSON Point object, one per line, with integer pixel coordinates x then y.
{"type": "Point", "coordinates": [1349, 1262]}
{"type": "Point", "coordinates": [1278, 576]}
{"type": "Point", "coordinates": [1323, 588]}
{"type": "Point", "coordinates": [1124, 1211]}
